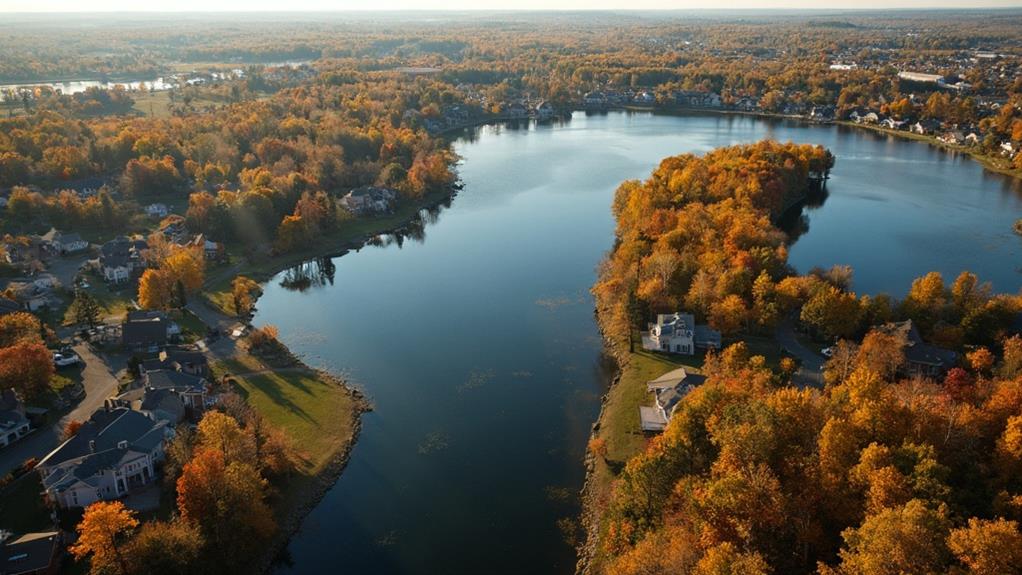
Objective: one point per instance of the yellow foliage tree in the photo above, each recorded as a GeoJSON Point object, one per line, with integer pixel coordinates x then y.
{"type": "Point", "coordinates": [102, 534]}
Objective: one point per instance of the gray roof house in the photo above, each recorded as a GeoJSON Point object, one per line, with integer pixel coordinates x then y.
{"type": "Point", "coordinates": [921, 358]}
{"type": "Point", "coordinates": [115, 451]}
{"type": "Point", "coordinates": [147, 330]}
{"type": "Point", "coordinates": [679, 333]}
{"type": "Point", "coordinates": [13, 423]}
{"type": "Point", "coordinates": [32, 553]}
{"type": "Point", "coordinates": [190, 361]}
{"type": "Point", "coordinates": [668, 389]}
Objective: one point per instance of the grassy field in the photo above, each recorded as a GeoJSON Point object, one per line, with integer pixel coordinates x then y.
{"type": "Point", "coordinates": [318, 414]}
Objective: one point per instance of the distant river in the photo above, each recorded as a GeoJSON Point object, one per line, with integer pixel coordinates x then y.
{"type": "Point", "coordinates": [475, 339]}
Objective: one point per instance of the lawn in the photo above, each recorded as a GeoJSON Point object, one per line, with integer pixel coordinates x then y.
{"type": "Point", "coordinates": [318, 414]}
{"type": "Point", "coordinates": [619, 423]}
{"type": "Point", "coordinates": [112, 302]}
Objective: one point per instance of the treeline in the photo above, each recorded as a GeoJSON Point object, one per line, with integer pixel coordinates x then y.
{"type": "Point", "coordinates": [247, 166]}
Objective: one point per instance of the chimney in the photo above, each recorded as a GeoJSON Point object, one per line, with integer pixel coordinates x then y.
{"type": "Point", "coordinates": [92, 446]}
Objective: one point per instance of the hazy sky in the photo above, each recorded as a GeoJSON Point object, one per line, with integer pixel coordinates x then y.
{"type": "Point", "coordinates": [331, 5]}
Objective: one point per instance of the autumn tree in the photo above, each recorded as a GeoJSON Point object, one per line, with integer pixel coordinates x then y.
{"type": "Point", "coordinates": [102, 536]}
{"type": "Point", "coordinates": [26, 367]}
{"type": "Point", "coordinates": [896, 541]}
{"type": "Point", "coordinates": [832, 313]}
{"type": "Point", "coordinates": [988, 547]}
{"type": "Point", "coordinates": [156, 289]}
{"type": "Point", "coordinates": [165, 548]}
{"type": "Point", "coordinates": [243, 291]}
{"type": "Point", "coordinates": [19, 327]}
{"type": "Point", "coordinates": [225, 500]}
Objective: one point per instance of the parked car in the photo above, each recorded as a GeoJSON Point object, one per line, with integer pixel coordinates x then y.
{"type": "Point", "coordinates": [65, 359]}
{"type": "Point", "coordinates": [827, 351]}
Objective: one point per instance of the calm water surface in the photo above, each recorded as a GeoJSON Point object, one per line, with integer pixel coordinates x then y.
{"type": "Point", "coordinates": [476, 342]}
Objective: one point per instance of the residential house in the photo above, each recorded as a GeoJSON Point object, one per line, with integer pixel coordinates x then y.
{"type": "Point", "coordinates": [953, 138]}
{"type": "Point", "coordinates": [921, 358]}
{"type": "Point", "coordinates": [157, 210]}
{"type": "Point", "coordinates": [369, 200]}
{"type": "Point", "coordinates": [892, 124]}
{"type": "Point", "coordinates": [822, 113]}
{"type": "Point", "coordinates": [115, 451]}
{"type": "Point", "coordinates": [29, 295]}
{"type": "Point", "coordinates": [191, 389]}
{"type": "Point", "coordinates": [182, 359]}
{"type": "Point", "coordinates": [545, 110]}
{"type": "Point", "coordinates": [595, 99]}
{"type": "Point", "coordinates": [1008, 149]}
{"type": "Point", "coordinates": [32, 554]}
{"type": "Point", "coordinates": [668, 390]}
{"type": "Point", "coordinates": [644, 99]}
{"type": "Point", "coordinates": [121, 257]}
{"type": "Point", "coordinates": [147, 330]}
{"type": "Point", "coordinates": [60, 243]}
{"type": "Point", "coordinates": [697, 99]}
{"type": "Point", "coordinates": [678, 333]}
{"type": "Point", "coordinates": [13, 422]}
{"type": "Point", "coordinates": [925, 127]}
{"type": "Point", "coordinates": [973, 139]}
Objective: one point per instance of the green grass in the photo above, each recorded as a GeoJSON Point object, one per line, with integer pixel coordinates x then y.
{"type": "Point", "coordinates": [21, 506]}
{"type": "Point", "coordinates": [192, 328]}
{"type": "Point", "coordinates": [319, 415]}
{"type": "Point", "coordinates": [112, 302]}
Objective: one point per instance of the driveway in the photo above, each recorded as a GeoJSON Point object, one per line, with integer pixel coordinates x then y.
{"type": "Point", "coordinates": [810, 373]}
{"type": "Point", "coordinates": [66, 268]}
{"type": "Point", "coordinates": [100, 382]}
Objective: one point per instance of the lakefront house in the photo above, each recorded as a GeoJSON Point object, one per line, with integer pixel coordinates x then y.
{"type": "Point", "coordinates": [115, 451]}
{"type": "Point", "coordinates": [668, 389]}
{"type": "Point", "coordinates": [679, 333]}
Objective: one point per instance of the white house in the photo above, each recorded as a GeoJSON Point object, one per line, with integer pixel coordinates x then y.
{"type": "Point", "coordinates": [13, 423]}
{"type": "Point", "coordinates": [157, 210]}
{"type": "Point", "coordinates": [64, 243]}
{"type": "Point", "coordinates": [115, 451]}
{"type": "Point", "coordinates": [369, 200]}
{"type": "Point", "coordinates": [668, 390]}
{"type": "Point", "coordinates": [545, 110]}
{"type": "Point", "coordinates": [678, 333]}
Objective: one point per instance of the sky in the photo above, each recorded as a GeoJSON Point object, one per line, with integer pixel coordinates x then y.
{"type": "Point", "coordinates": [368, 5]}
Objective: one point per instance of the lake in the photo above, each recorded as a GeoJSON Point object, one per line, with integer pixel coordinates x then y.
{"type": "Point", "coordinates": [474, 336]}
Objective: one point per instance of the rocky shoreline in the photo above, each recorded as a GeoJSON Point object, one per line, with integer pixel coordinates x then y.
{"type": "Point", "coordinates": [590, 514]}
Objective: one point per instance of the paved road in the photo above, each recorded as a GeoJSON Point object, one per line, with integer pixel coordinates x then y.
{"type": "Point", "coordinates": [811, 371]}
{"type": "Point", "coordinates": [100, 382]}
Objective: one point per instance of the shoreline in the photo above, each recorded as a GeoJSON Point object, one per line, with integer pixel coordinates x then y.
{"type": "Point", "coordinates": [308, 497]}
{"type": "Point", "coordinates": [589, 514]}
{"type": "Point", "coordinates": [308, 494]}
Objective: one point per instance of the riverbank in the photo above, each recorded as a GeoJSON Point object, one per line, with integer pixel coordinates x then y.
{"type": "Point", "coordinates": [319, 411]}
{"type": "Point", "coordinates": [352, 235]}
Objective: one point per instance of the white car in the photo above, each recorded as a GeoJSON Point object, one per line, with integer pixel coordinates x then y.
{"type": "Point", "coordinates": [827, 351]}
{"type": "Point", "coordinates": [65, 359]}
